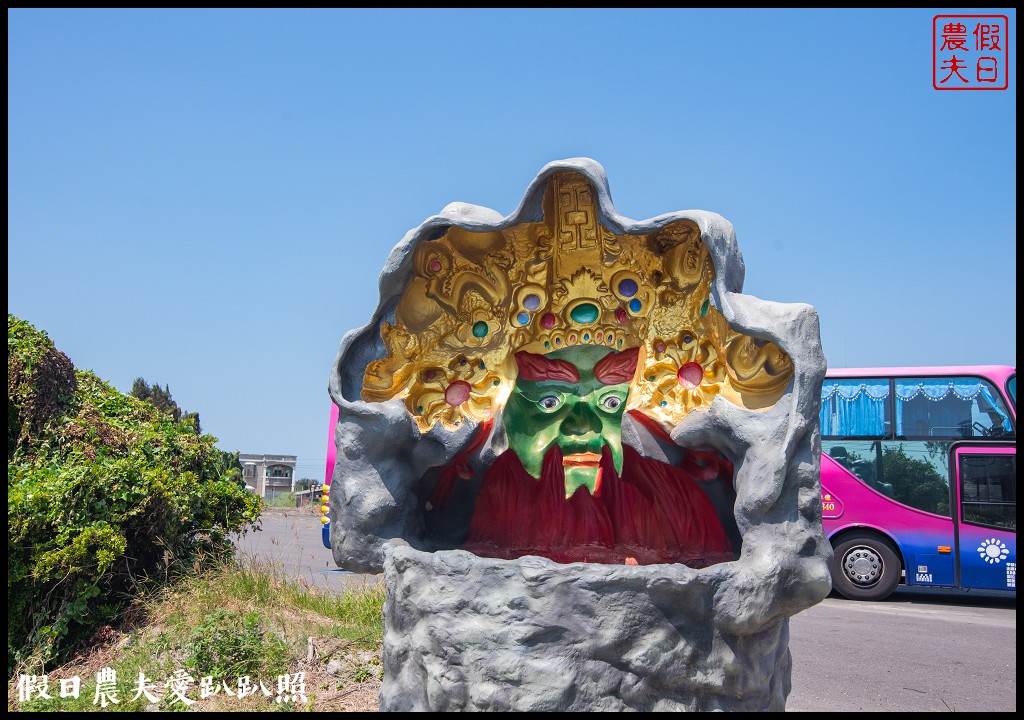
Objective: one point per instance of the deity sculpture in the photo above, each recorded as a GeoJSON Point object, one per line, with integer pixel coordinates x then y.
{"type": "Point", "coordinates": [586, 463]}
{"type": "Point", "coordinates": [549, 333]}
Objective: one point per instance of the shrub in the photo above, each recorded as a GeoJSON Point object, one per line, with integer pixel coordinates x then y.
{"type": "Point", "coordinates": [227, 644]}
{"type": "Point", "coordinates": [106, 497]}
{"type": "Point", "coordinates": [282, 500]}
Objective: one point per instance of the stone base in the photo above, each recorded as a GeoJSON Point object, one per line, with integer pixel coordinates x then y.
{"type": "Point", "coordinates": [468, 633]}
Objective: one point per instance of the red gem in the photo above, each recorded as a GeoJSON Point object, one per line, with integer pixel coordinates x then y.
{"type": "Point", "coordinates": [457, 393]}
{"type": "Point", "coordinates": [690, 375]}
{"type": "Point", "coordinates": [547, 321]}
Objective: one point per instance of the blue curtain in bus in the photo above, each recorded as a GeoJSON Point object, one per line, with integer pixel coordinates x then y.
{"type": "Point", "coordinates": [854, 407]}
{"type": "Point", "coordinates": [953, 401]}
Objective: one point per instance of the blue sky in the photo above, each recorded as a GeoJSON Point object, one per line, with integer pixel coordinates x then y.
{"type": "Point", "coordinates": [205, 198]}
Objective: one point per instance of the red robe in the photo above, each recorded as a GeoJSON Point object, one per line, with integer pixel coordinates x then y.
{"type": "Point", "coordinates": [654, 513]}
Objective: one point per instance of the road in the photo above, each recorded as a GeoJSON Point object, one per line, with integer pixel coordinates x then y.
{"type": "Point", "coordinates": [290, 543]}
{"type": "Point", "coordinates": [921, 650]}
{"type": "Point", "coordinates": [917, 651]}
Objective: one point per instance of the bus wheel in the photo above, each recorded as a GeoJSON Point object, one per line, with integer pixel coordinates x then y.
{"type": "Point", "coordinates": [865, 568]}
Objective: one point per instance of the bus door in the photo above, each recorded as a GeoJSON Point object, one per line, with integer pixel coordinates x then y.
{"type": "Point", "coordinates": [986, 499]}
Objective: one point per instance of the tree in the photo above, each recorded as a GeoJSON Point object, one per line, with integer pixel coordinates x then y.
{"type": "Point", "coordinates": [306, 484]}
{"type": "Point", "coordinates": [160, 397]}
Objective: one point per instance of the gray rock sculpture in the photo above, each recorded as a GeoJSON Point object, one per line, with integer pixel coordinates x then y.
{"type": "Point", "coordinates": [523, 632]}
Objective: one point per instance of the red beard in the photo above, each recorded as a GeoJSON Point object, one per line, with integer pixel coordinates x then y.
{"type": "Point", "coordinates": [653, 513]}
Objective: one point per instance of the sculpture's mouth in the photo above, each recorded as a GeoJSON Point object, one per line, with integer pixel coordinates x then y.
{"type": "Point", "coordinates": [583, 459]}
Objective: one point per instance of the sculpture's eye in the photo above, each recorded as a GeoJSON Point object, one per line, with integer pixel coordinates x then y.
{"type": "Point", "coordinates": [611, 402]}
{"type": "Point", "coordinates": [549, 402]}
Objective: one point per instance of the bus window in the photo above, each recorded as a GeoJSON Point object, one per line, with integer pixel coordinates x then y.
{"type": "Point", "coordinates": [919, 474]}
{"type": "Point", "coordinates": [988, 490]}
{"type": "Point", "coordinates": [913, 473]}
{"type": "Point", "coordinates": [862, 458]}
{"type": "Point", "coordinates": [949, 408]}
{"type": "Point", "coordinates": [855, 408]}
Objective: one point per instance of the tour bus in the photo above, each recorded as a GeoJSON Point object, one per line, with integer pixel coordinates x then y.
{"type": "Point", "coordinates": [919, 478]}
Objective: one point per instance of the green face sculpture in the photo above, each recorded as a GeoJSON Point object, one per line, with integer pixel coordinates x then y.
{"type": "Point", "coordinates": [573, 399]}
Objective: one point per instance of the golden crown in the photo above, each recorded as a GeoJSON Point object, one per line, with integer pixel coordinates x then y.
{"type": "Point", "coordinates": [477, 298]}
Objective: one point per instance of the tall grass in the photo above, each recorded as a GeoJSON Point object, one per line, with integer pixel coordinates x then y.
{"type": "Point", "coordinates": [283, 500]}
{"type": "Point", "coordinates": [237, 619]}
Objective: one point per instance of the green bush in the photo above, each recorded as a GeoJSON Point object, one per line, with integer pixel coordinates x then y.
{"type": "Point", "coordinates": [228, 644]}
{"type": "Point", "coordinates": [282, 500]}
{"type": "Point", "coordinates": [106, 497]}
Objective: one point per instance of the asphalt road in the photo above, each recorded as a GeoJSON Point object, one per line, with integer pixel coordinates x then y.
{"type": "Point", "coordinates": [290, 543]}
{"type": "Point", "coordinates": [917, 651]}
{"type": "Point", "coordinates": [920, 650]}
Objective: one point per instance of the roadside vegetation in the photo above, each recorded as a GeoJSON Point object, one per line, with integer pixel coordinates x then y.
{"type": "Point", "coordinates": [122, 581]}
{"type": "Point", "coordinates": [108, 497]}
{"type": "Point", "coordinates": [245, 636]}
{"type": "Point", "coordinates": [282, 500]}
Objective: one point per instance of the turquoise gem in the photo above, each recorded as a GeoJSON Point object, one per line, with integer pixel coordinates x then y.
{"type": "Point", "coordinates": [584, 313]}
{"type": "Point", "coordinates": [480, 329]}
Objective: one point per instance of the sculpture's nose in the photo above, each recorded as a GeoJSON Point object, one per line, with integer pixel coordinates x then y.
{"type": "Point", "coordinates": [581, 420]}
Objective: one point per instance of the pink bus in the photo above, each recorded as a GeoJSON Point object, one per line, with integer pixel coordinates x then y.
{"type": "Point", "coordinates": [919, 478]}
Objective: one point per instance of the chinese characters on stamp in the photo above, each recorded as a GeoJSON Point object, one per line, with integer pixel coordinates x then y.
{"type": "Point", "coordinates": [970, 52]}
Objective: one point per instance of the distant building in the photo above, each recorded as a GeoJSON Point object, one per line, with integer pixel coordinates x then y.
{"type": "Point", "coordinates": [312, 496]}
{"type": "Point", "coordinates": [268, 475]}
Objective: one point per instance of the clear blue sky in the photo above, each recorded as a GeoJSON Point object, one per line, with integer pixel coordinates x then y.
{"type": "Point", "coordinates": [205, 198]}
